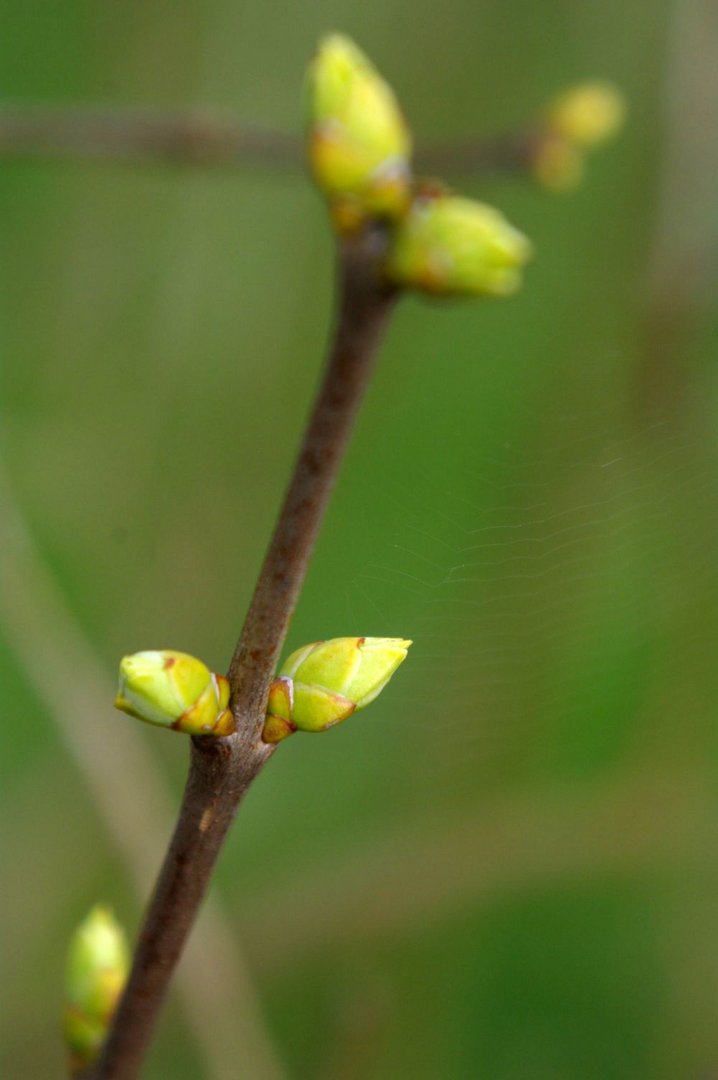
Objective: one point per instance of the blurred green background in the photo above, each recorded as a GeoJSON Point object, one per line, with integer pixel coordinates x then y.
{"type": "Point", "coordinates": [508, 867]}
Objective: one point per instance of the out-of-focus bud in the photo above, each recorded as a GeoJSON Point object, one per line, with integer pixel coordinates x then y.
{"type": "Point", "coordinates": [452, 246]}
{"type": "Point", "coordinates": [174, 690]}
{"type": "Point", "coordinates": [322, 684]}
{"type": "Point", "coordinates": [358, 142]}
{"type": "Point", "coordinates": [577, 121]}
{"type": "Point", "coordinates": [558, 165]}
{"type": "Point", "coordinates": [97, 965]}
{"type": "Point", "coordinates": [588, 114]}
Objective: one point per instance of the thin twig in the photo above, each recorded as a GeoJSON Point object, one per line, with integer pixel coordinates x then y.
{"type": "Point", "coordinates": [222, 770]}
{"type": "Point", "coordinates": [208, 137]}
{"type": "Point", "coordinates": [138, 135]}
{"type": "Point", "coordinates": [511, 152]}
{"type": "Point", "coordinates": [364, 307]}
{"type": "Point", "coordinates": [64, 672]}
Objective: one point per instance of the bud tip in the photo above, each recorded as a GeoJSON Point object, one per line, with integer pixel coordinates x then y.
{"type": "Point", "coordinates": [323, 683]}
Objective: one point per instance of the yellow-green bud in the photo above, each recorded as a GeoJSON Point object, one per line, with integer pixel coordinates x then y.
{"type": "Point", "coordinates": [587, 115]}
{"type": "Point", "coordinates": [452, 246]}
{"type": "Point", "coordinates": [558, 165]}
{"type": "Point", "coordinates": [357, 140]}
{"type": "Point", "coordinates": [174, 690]}
{"type": "Point", "coordinates": [322, 684]}
{"type": "Point", "coordinates": [98, 961]}
{"type": "Point", "coordinates": [578, 120]}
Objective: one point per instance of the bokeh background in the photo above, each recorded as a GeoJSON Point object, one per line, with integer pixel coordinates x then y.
{"type": "Point", "coordinates": [508, 867]}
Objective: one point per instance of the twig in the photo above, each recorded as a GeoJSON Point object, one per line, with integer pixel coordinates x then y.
{"type": "Point", "coordinates": [364, 307]}
{"type": "Point", "coordinates": [512, 152]}
{"type": "Point", "coordinates": [221, 770]}
{"type": "Point", "coordinates": [210, 138]}
{"type": "Point", "coordinates": [138, 135]}
{"type": "Point", "coordinates": [68, 679]}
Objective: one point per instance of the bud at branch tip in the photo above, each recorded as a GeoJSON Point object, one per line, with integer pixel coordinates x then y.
{"type": "Point", "coordinates": [358, 143]}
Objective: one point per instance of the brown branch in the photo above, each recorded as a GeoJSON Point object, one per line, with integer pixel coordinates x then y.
{"type": "Point", "coordinates": [512, 152]}
{"type": "Point", "coordinates": [365, 304]}
{"type": "Point", "coordinates": [209, 138]}
{"type": "Point", "coordinates": [221, 770]}
{"type": "Point", "coordinates": [139, 135]}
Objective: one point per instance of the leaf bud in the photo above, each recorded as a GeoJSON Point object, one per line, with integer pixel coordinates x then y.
{"type": "Point", "coordinates": [322, 684]}
{"type": "Point", "coordinates": [453, 246]}
{"type": "Point", "coordinates": [98, 961]}
{"type": "Point", "coordinates": [358, 142]}
{"type": "Point", "coordinates": [174, 690]}
{"type": "Point", "coordinates": [587, 115]}
{"type": "Point", "coordinates": [559, 166]}
{"type": "Point", "coordinates": [578, 120]}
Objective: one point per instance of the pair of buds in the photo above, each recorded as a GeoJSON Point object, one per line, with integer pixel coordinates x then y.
{"type": "Point", "coordinates": [578, 121]}
{"type": "Point", "coordinates": [360, 147]}
{"type": "Point", "coordinates": [318, 686]}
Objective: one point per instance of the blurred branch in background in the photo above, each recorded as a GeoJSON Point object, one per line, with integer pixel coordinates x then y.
{"type": "Point", "coordinates": [214, 983]}
{"type": "Point", "coordinates": [684, 259]}
{"type": "Point", "coordinates": [139, 135]}
{"type": "Point", "coordinates": [510, 152]}
{"type": "Point", "coordinates": [211, 138]}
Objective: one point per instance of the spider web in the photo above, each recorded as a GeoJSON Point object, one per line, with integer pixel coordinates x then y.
{"type": "Point", "coordinates": [550, 579]}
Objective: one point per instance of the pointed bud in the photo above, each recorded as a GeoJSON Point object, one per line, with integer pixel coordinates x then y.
{"type": "Point", "coordinates": [587, 115]}
{"type": "Point", "coordinates": [358, 142]}
{"type": "Point", "coordinates": [174, 690]}
{"type": "Point", "coordinates": [322, 684]}
{"type": "Point", "coordinates": [451, 246]}
{"type": "Point", "coordinates": [98, 961]}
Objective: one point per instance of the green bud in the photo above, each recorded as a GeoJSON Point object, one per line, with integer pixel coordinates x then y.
{"type": "Point", "coordinates": [577, 121]}
{"type": "Point", "coordinates": [587, 115]}
{"type": "Point", "coordinates": [174, 690]}
{"type": "Point", "coordinates": [98, 961]}
{"type": "Point", "coordinates": [559, 166]}
{"type": "Point", "coordinates": [357, 140]}
{"type": "Point", "coordinates": [322, 684]}
{"type": "Point", "coordinates": [452, 246]}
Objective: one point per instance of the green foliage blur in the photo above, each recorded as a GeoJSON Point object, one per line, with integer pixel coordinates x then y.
{"type": "Point", "coordinates": [507, 868]}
